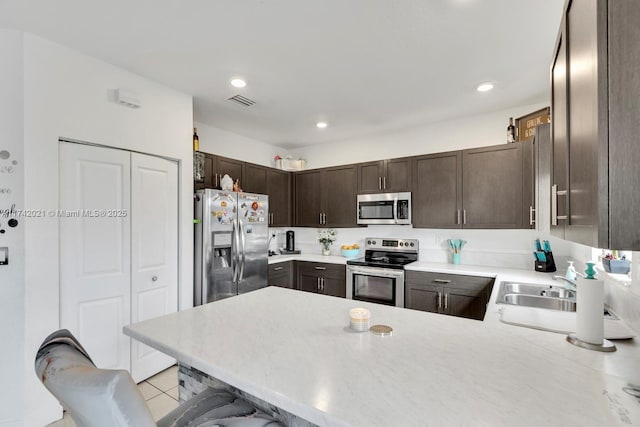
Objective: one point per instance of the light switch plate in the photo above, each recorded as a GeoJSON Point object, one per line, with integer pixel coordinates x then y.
{"type": "Point", "coordinates": [4, 256]}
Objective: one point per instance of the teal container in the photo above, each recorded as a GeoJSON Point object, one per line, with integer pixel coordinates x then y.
{"type": "Point", "coordinates": [456, 258]}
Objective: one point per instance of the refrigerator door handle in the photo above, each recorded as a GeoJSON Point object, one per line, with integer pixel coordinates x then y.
{"type": "Point", "coordinates": [234, 251]}
{"type": "Point", "coordinates": [242, 250]}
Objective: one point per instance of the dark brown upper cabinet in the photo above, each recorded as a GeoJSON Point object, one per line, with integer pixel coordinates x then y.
{"type": "Point", "coordinates": [536, 179]}
{"type": "Point", "coordinates": [492, 187]}
{"type": "Point", "coordinates": [274, 183]}
{"type": "Point", "coordinates": [215, 167]}
{"type": "Point", "coordinates": [209, 164]}
{"type": "Point", "coordinates": [437, 190]}
{"type": "Point", "coordinates": [279, 190]}
{"type": "Point", "coordinates": [255, 179]}
{"type": "Point", "coordinates": [231, 167]}
{"type": "Point", "coordinates": [595, 109]}
{"type": "Point", "coordinates": [308, 198]}
{"type": "Point", "coordinates": [384, 176]}
{"type": "Point", "coordinates": [477, 188]}
{"type": "Point", "coordinates": [326, 197]}
{"type": "Point", "coordinates": [528, 182]}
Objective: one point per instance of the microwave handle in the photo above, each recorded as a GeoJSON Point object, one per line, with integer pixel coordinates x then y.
{"type": "Point", "coordinates": [395, 209]}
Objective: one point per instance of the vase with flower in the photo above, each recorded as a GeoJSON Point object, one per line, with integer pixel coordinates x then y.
{"type": "Point", "coordinates": [326, 237]}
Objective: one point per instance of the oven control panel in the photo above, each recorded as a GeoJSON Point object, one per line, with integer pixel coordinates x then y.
{"type": "Point", "coordinates": [385, 243]}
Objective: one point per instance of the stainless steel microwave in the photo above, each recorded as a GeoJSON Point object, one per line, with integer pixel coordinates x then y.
{"type": "Point", "coordinates": [386, 208]}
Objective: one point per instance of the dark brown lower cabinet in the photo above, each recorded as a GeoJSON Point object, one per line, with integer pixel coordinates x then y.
{"type": "Point", "coordinates": [321, 278]}
{"type": "Point", "coordinates": [452, 294]}
{"type": "Point", "coordinates": [281, 274]}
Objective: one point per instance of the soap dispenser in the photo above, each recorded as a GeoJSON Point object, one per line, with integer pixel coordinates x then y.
{"type": "Point", "coordinates": [571, 272]}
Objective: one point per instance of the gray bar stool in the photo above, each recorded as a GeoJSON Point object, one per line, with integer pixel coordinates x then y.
{"type": "Point", "coordinates": [96, 397]}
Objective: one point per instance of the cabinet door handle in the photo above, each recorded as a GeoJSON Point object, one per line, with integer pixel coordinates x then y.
{"type": "Point", "coordinates": [446, 301]}
{"type": "Point", "coordinates": [322, 284]}
{"type": "Point", "coordinates": [154, 279]}
{"type": "Point", "coordinates": [554, 204]}
{"type": "Point", "coordinates": [318, 284]}
{"type": "Point", "coordinates": [320, 218]}
{"type": "Point", "coordinates": [439, 299]}
{"type": "Point", "coordinates": [531, 211]}
{"type": "Point", "coordinates": [277, 268]}
{"type": "Point", "coordinates": [379, 183]}
{"type": "Point", "coordinates": [442, 280]}
{"type": "Point", "coordinates": [458, 216]}
{"type": "Point", "coordinates": [320, 268]}
{"type": "Point", "coordinates": [384, 182]}
{"type": "Point", "coordinates": [324, 219]}
{"type": "Point", "coordinates": [464, 216]}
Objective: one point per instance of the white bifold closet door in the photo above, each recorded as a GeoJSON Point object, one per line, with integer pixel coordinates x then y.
{"type": "Point", "coordinates": [154, 253]}
{"type": "Point", "coordinates": [118, 251]}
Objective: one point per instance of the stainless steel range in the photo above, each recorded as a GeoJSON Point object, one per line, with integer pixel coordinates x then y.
{"type": "Point", "coordinates": [379, 276]}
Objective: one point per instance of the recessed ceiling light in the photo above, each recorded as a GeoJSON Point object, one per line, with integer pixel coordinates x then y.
{"type": "Point", "coordinates": [321, 125]}
{"type": "Point", "coordinates": [484, 87]}
{"type": "Point", "coordinates": [238, 83]}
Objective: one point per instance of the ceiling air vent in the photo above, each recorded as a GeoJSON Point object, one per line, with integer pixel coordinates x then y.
{"type": "Point", "coordinates": [242, 100]}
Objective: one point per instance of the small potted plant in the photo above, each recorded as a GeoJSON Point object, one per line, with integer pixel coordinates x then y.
{"type": "Point", "coordinates": [326, 237]}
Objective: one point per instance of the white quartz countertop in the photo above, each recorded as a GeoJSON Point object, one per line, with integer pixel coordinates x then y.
{"type": "Point", "coordinates": [294, 350]}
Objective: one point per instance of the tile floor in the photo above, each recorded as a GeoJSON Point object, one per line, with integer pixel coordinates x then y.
{"type": "Point", "coordinates": [160, 392]}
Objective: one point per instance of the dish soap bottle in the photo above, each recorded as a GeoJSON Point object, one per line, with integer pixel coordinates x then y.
{"type": "Point", "coordinates": [571, 272]}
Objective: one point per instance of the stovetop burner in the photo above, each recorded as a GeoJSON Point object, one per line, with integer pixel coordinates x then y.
{"type": "Point", "coordinates": [388, 253]}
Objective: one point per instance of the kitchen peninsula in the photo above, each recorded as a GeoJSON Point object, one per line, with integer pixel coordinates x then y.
{"type": "Point", "coordinates": [294, 350]}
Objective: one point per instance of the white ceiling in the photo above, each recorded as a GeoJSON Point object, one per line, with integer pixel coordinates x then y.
{"type": "Point", "coordinates": [364, 66]}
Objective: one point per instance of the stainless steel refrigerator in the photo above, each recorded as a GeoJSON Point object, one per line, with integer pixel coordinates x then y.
{"type": "Point", "coordinates": [231, 244]}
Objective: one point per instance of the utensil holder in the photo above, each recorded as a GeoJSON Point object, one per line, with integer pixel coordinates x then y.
{"type": "Point", "coordinates": [455, 259]}
{"type": "Point", "coordinates": [548, 266]}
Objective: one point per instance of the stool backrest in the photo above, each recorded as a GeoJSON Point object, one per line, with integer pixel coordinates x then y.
{"type": "Point", "coordinates": [93, 397]}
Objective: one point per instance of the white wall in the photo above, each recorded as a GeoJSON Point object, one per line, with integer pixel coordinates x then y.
{"type": "Point", "coordinates": [228, 144]}
{"type": "Point", "coordinates": [12, 362]}
{"type": "Point", "coordinates": [461, 133]}
{"type": "Point", "coordinates": [67, 94]}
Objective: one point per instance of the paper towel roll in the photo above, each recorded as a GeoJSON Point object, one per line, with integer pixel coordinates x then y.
{"type": "Point", "coordinates": [590, 311]}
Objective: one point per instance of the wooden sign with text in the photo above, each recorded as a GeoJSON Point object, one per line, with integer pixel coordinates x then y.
{"type": "Point", "coordinates": [526, 125]}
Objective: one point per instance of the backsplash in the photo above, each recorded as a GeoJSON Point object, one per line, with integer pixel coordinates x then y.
{"type": "Point", "coordinates": [496, 248]}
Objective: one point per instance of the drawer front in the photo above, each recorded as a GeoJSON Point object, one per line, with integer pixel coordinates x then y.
{"type": "Point", "coordinates": [471, 283]}
{"type": "Point", "coordinates": [281, 268]}
{"type": "Point", "coordinates": [320, 269]}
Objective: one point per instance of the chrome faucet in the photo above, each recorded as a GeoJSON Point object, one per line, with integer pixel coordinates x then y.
{"type": "Point", "coordinates": [570, 284]}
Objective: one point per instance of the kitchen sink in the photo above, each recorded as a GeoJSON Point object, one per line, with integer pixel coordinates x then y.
{"type": "Point", "coordinates": [537, 295]}
{"type": "Point", "coordinates": [540, 302]}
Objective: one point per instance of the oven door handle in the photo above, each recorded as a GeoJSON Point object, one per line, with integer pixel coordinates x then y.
{"type": "Point", "coordinates": [382, 272]}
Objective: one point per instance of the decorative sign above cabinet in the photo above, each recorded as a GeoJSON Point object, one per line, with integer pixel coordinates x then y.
{"type": "Point", "coordinates": [526, 125]}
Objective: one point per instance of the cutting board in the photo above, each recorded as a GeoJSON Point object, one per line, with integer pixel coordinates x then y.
{"type": "Point", "coordinates": [562, 322]}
